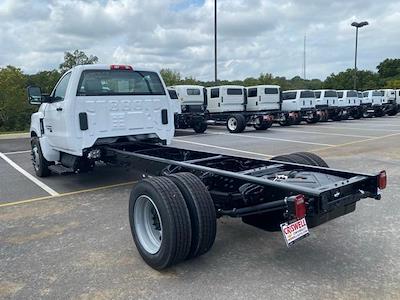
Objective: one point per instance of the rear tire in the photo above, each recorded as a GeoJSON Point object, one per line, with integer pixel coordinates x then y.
{"type": "Point", "coordinates": [201, 210]}
{"type": "Point", "coordinates": [264, 125]}
{"type": "Point", "coordinates": [304, 158]}
{"type": "Point", "coordinates": [236, 123]}
{"type": "Point", "coordinates": [200, 127]}
{"type": "Point", "coordinates": [40, 164]}
{"type": "Point", "coordinates": [160, 222]}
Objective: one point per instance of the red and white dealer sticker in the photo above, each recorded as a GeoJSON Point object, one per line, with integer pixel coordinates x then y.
{"type": "Point", "coordinates": [295, 231]}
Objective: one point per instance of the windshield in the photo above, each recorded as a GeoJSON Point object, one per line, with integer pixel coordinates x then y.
{"type": "Point", "coordinates": [234, 91]}
{"type": "Point", "coordinates": [173, 94]}
{"type": "Point", "coordinates": [330, 94]}
{"type": "Point", "coordinates": [119, 82]}
{"type": "Point", "coordinates": [307, 94]}
{"type": "Point", "coordinates": [340, 94]}
{"type": "Point", "coordinates": [317, 94]}
{"type": "Point", "coordinates": [360, 95]}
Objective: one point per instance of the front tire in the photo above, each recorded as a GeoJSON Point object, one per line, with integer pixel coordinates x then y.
{"type": "Point", "coordinates": [160, 222]}
{"type": "Point", "coordinates": [40, 164]}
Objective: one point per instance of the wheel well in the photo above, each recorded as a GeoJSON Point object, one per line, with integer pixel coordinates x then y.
{"type": "Point", "coordinates": [33, 134]}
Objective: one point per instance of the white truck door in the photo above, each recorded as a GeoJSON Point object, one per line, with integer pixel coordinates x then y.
{"type": "Point", "coordinates": [55, 122]}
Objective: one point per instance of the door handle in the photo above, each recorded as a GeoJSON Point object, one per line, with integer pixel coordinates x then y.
{"type": "Point", "coordinates": [59, 108]}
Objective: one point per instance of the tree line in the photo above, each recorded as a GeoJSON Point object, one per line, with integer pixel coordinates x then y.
{"type": "Point", "coordinates": [15, 110]}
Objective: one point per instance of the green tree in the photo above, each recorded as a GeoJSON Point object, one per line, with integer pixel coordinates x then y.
{"type": "Point", "coordinates": [170, 77]}
{"type": "Point", "coordinates": [344, 80]}
{"type": "Point", "coordinates": [76, 58]}
{"type": "Point", "coordinates": [389, 68]}
{"type": "Point", "coordinates": [14, 108]}
{"type": "Point", "coordinates": [46, 80]}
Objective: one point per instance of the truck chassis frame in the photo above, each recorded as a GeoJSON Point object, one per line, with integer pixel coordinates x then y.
{"type": "Point", "coordinates": [243, 186]}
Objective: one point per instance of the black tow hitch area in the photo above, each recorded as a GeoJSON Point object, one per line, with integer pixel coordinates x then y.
{"type": "Point", "coordinates": [294, 208]}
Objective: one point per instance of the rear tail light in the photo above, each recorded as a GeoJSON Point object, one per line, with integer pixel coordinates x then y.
{"type": "Point", "coordinates": [382, 180]}
{"type": "Point", "coordinates": [299, 207]}
{"type": "Point", "coordinates": [121, 67]}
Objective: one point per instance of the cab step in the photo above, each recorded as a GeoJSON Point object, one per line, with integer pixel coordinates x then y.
{"type": "Point", "coordinates": [60, 169]}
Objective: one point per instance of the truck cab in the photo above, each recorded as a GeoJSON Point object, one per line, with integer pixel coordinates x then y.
{"type": "Point", "coordinates": [301, 104]}
{"type": "Point", "coordinates": [192, 97]}
{"type": "Point", "coordinates": [192, 105]}
{"type": "Point", "coordinates": [226, 98]}
{"type": "Point", "coordinates": [349, 100]}
{"type": "Point", "coordinates": [372, 101]}
{"type": "Point", "coordinates": [96, 105]}
{"type": "Point", "coordinates": [263, 98]}
{"type": "Point", "coordinates": [389, 102]}
{"type": "Point", "coordinates": [329, 99]}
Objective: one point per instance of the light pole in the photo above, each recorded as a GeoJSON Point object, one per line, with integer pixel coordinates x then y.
{"type": "Point", "coordinates": [215, 40]}
{"type": "Point", "coordinates": [357, 25]}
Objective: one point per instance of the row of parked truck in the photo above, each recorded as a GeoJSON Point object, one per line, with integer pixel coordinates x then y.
{"type": "Point", "coordinates": [260, 106]}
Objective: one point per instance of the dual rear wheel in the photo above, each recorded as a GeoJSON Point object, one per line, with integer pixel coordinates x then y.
{"type": "Point", "coordinates": [172, 219]}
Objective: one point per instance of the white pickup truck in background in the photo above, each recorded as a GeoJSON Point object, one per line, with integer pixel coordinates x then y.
{"type": "Point", "coordinates": [93, 105]}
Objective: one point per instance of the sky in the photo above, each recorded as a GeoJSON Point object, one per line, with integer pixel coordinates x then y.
{"type": "Point", "coordinates": [254, 36]}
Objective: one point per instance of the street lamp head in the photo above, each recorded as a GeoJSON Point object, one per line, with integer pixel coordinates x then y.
{"type": "Point", "coordinates": [359, 25]}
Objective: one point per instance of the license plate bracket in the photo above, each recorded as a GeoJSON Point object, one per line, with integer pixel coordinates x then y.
{"type": "Point", "coordinates": [294, 231]}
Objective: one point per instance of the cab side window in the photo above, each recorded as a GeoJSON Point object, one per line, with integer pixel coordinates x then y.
{"type": "Point", "coordinates": [61, 88]}
{"type": "Point", "coordinates": [215, 93]}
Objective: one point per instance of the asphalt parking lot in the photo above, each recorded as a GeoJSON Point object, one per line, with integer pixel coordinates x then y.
{"type": "Point", "coordinates": [69, 236]}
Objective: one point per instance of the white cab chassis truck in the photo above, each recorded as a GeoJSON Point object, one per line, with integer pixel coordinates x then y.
{"type": "Point", "coordinates": [372, 104]}
{"type": "Point", "coordinates": [327, 101]}
{"type": "Point", "coordinates": [300, 104]}
{"type": "Point", "coordinates": [226, 105]}
{"type": "Point", "coordinates": [192, 101]}
{"type": "Point", "coordinates": [120, 114]}
{"type": "Point", "coordinates": [349, 100]}
{"type": "Point", "coordinates": [93, 105]}
{"type": "Point", "coordinates": [267, 99]}
{"type": "Point", "coordinates": [389, 102]}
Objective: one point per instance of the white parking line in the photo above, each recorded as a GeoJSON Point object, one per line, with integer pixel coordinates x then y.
{"type": "Point", "coordinates": [328, 126]}
{"type": "Point", "coordinates": [29, 176]}
{"type": "Point", "coordinates": [323, 133]}
{"type": "Point", "coordinates": [273, 139]}
{"type": "Point", "coordinates": [222, 148]}
{"type": "Point", "coordinates": [16, 152]}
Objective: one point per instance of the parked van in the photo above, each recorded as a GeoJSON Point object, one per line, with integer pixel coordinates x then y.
{"type": "Point", "coordinates": [327, 100]}
{"type": "Point", "coordinates": [350, 100]}
{"type": "Point", "coordinates": [191, 101]}
{"type": "Point", "coordinates": [301, 105]}
{"type": "Point", "coordinates": [389, 102]}
{"type": "Point", "coordinates": [226, 98]}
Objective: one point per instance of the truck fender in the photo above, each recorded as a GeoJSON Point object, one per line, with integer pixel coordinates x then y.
{"type": "Point", "coordinates": [49, 153]}
{"type": "Point", "coordinates": [36, 127]}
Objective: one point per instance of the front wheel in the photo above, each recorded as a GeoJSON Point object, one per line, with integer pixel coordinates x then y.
{"type": "Point", "coordinates": [40, 164]}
